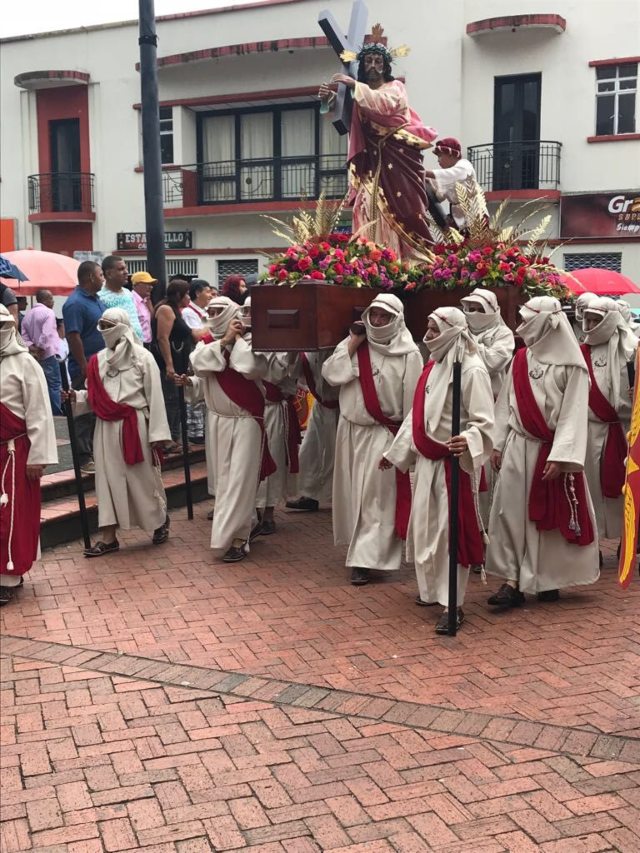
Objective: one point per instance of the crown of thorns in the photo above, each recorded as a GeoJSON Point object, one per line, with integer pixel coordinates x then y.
{"type": "Point", "coordinates": [375, 43]}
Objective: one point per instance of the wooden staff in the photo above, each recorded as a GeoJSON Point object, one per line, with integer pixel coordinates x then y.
{"type": "Point", "coordinates": [453, 507]}
{"type": "Point", "coordinates": [73, 439]}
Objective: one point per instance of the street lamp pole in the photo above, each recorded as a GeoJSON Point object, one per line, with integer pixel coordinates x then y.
{"type": "Point", "coordinates": [151, 156]}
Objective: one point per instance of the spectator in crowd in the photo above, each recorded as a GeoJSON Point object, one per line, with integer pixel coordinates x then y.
{"type": "Point", "coordinates": [142, 284]}
{"type": "Point", "coordinates": [114, 293]}
{"type": "Point", "coordinates": [27, 446]}
{"type": "Point", "coordinates": [235, 288]}
{"type": "Point", "coordinates": [200, 296]}
{"type": "Point", "coordinates": [173, 342]}
{"type": "Point", "coordinates": [195, 315]}
{"type": "Point", "coordinates": [40, 334]}
{"type": "Point", "coordinates": [9, 300]}
{"type": "Point", "coordinates": [22, 308]}
{"type": "Point", "coordinates": [81, 313]}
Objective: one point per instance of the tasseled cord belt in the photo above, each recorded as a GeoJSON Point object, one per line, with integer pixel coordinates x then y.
{"type": "Point", "coordinates": [4, 497]}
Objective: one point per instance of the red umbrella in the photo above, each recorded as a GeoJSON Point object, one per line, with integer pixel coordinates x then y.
{"type": "Point", "coordinates": [602, 282]}
{"type": "Point", "coordinates": [57, 273]}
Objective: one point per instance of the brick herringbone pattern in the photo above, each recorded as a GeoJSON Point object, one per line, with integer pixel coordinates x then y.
{"type": "Point", "coordinates": [97, 762]}
{"type": "Point", "coordinates": [158, 700]}
{"type": "Point", "coordinates": [289, 614]}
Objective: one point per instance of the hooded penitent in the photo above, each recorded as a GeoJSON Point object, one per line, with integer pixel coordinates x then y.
{"type": "Point", "coordinates": [10, 343]}
{"type": "Point", "coordinates": [449, 346]}
{"type": "Point", "coordinates": [548, 334]}
{"type": "Point", "coordinates": [394, 338]}
{"type": "Point", "coordinates": [220, 323]}
{"type": "Point", "coordinates": [581, 303]}
{"type": "Point", "coordinates": [488, 317]}
{"type": "Point", "coordinates": [121, 342]}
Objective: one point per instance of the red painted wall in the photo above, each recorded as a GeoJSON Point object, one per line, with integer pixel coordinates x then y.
{"type": "Point", "coordinates": [66, 237]}
{"type": "Point", "coordinates": [65, 102]}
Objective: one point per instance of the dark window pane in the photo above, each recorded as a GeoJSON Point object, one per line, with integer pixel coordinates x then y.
{"type": "Point", "coordinates": [606, 86]}
{"type": "Point", "coordinates": [606, 72]}
{"type": "Point", "coordinates": [627, 114]}
{"type": "Point", "coordinates": [166, 113]}
{"type": "Point", "coordinates": [629, 69]}
{"type": "Point", "coordinates": [604, 115]}
{"type": "Point", "coordinates": [628, 84]}
{"type": "Point", "coordinates": [166, 147]}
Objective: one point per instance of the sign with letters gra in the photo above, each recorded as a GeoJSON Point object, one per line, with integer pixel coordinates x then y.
{"type": "Point", "coordinates": [137, 240]}
{"type": "Point", "coordinates": [600, 215]}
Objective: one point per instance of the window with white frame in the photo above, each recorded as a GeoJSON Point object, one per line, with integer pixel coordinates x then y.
{"type": "Point", "coordinates": [616, 91]}
{"type": "Point", "coordinates": [166, 135]}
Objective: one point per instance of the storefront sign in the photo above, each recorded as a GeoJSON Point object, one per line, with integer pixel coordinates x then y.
{"type": "Point", "coordinates": [600, 215]}
{"type": "Point", "coordinates": [137, 240]}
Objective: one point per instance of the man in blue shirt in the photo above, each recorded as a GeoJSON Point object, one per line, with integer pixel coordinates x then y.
{"type": "Point", "coordinates": [81, 313]}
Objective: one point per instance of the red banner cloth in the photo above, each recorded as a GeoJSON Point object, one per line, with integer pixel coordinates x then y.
{"type": "Point", "coordinates": [470, 544]}
{"type": "Point", "coordinates": [293, 435]}
{"type": "Point", "coordinates": [108, 410]}
{"type": "Point", "coordinates": [372, 405]}
{"type": "Point", "coordinates": [20, 528]}
{"type": "Point", "coordinates": [311, 384]}
{"type": "Point", "coordinates": [549, 504]}
{"type": "Point", "coordinates": [246, 394]}
{"type": "Point", "coordinates": [613, 463]}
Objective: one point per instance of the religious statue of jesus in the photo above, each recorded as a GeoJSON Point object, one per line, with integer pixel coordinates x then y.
{"type": "Point", "coordinates": [386, 141]}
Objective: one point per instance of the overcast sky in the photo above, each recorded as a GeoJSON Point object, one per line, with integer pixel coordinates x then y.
{"type": "Point", "coordinates": [37, 16]}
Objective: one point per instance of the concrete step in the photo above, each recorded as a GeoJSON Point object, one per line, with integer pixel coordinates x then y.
{"type": "Point", "coordinates": [60, 515]}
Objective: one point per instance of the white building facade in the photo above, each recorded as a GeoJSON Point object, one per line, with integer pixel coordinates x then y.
{"type": "Point", "coordinates": [542, 95]}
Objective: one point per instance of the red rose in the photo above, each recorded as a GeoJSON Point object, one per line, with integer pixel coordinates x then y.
{"type": "Point", "coordinates": [273, 269]}
{"type": "Point", "coordinates": [282, 275]}
{"type": "Point", "coordinates": [314, 251]}
{"type": "Point", "coordinates": [317, 275]}
{"type": "Point", "coordinates": [304, 264]}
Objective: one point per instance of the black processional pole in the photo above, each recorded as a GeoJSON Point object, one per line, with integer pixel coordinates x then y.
{"type": "Point", "coordinates": [73, 441]}
{"type": "Point", "coordinates": [453, 506]}
{"type": "Point", "coordinates": [151, 156]}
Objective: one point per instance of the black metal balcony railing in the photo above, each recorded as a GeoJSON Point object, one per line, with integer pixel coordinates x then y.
{"type": "Point", "coordinates": [237, 181]}
{"type": "Point", "coordinates": [54, 192]}
{"type": "Point", "coordinates": [533, 165]}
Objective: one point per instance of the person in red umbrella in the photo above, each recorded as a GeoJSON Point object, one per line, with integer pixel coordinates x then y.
{"type": "Point", "coordinates": [27, 446]}
{"type": "Point", "coordinates": [608, 346]}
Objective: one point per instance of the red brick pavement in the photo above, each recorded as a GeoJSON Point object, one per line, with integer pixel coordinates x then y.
{"type": "Point", "coordinates": [270, 705]}
{"type": "Point", "coordinates": [289, 613]}
{"type": "Point", "coordinates": [98, 762]}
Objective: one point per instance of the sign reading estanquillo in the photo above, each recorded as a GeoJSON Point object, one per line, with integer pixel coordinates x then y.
{"type": "Point", "coordinates": [600, 215]}
{"type": "Point", "coordinates": [137, 240]}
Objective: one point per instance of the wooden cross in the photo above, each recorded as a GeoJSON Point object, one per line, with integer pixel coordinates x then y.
{"type": "Point", "coordinates": [352, 41]}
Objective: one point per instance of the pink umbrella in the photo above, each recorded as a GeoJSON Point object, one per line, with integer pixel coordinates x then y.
{"type": "Point", "coordinates": [57, 273]}
{"type": "Point", "coordinates": [602, 282]}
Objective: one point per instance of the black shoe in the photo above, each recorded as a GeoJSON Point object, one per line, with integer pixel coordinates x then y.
{"type": "Point", "coordinates": [210, 515]}
{"type": "Point", "coordinates": [234, 555]}
{"type": "Point", "coordinates": [601, 559]}
{"type": "Point", "coordinates": [359, 577]}
{"type": "Point", "coordinates": [161, 534]}
{"type": "Point", "coordinates": [506, 597]}
{"type": "Point", "coordinates": [443, 623]}
{"type": "Point", "coordinates": [303, 505]}
{"type": "Point", "coordinates": [102, 548]}
{"type": "Point", "coordinates": [422, 603]}
{"type": "Point", "coordinates": [477, 570]}
{"type": "Point", "coordinates": [548, 595]}
{"type": "Point", "coordinates": [268, 527]}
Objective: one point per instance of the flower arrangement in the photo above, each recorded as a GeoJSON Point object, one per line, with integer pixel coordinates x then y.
{"type": "Point", "coordinates": [490, 254]}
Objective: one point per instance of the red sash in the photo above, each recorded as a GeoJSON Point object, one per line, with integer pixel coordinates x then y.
{"type": "Point", "coordinates": [372, 405]}
{"type": "Point", "coordinates": [470, 544]}
{"type": "Point", "coordinates": [107, 410]}
{"type": "Point", "coordinates": [20, 517]}
{"type": "Point", "coordinates": [246, 394]}
{"type": "Point", "coordinates": [549, 503]}
{"type": "Point", "coordinates": [311, 384]}
{"type": "Point", "coordinates": [293, 435]}
{"type": "Point", "coordinates": [613, 463]}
